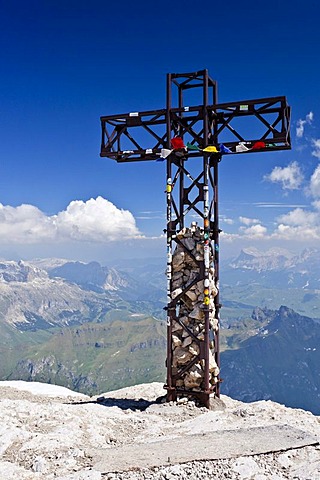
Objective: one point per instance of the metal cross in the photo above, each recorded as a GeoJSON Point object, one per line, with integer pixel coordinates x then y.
{"type": "Point", "coordinates": [180, 134]}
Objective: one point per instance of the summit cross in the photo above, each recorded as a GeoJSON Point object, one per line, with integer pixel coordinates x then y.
{"type": "Point", "coordinates": [193, 137]}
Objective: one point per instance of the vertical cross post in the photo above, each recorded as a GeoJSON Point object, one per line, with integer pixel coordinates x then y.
{"type": "Point", "coordinates": [192, 193]}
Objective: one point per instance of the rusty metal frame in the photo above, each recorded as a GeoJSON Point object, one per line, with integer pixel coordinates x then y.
{"type": "Point", "coordinates": [142, 136]}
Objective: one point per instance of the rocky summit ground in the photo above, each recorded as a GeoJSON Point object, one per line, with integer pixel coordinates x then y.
{"type": "Point", "coordinates": [49, 432]}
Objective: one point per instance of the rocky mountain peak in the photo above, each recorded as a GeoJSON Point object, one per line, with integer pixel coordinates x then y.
{"type": "Point", "coordinates": [253, 259]}
{"type": "Point", "coordinates": [11, 271]}
{"type": "Point", "coordinates": [91, 275]}
{"type": "Point", "coordinates": [80, 273]}
{"type": "Point", "coordinates": [114, 280]}
{"type": "Point", "coordinates": [262, 314]}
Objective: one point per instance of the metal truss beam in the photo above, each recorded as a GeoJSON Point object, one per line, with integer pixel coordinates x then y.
{"type": "Point", "coordinates": [228, 121]}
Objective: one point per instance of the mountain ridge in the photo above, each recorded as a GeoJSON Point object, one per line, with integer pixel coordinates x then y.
{"type": "Point", "coordinates": [279, 362]}
{"type": "Point", "coordinates": [43, 315]}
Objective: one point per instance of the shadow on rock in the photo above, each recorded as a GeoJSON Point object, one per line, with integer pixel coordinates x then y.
{"type": "Point", "coordinates": [123, 403]}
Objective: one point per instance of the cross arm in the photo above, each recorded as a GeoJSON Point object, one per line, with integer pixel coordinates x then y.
{"type": "Point", "coordinates": [245, 126]}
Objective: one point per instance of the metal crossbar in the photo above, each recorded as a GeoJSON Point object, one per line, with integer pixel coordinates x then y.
{"type": "Point", "coordinates": [118, 131]}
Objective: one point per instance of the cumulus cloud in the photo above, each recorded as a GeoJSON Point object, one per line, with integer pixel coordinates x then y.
{"type": "Point", "coordinates": [297, 233]}
{"type": "Point", "coordinates": [299, 225]}
{"type": "Point", "coordinates": [316, 148]}
{"type": "Point", "coordinates": [254, 232]}
{"type": "Point", "coordinates": [300, 128]}
{"type": "Point", "coordinates": [227, 220]}
{"type": "Point", "coordinates": [289, 177]}
{"type": "Point", "coordinates": [229, 237]}
{"type": "Point", "coordinates": [96, 220]}
{"type": "Point", "coordinates": [302, 224]}
{"type": "Point", "coordinates": [248, 221]}
{"type": "Point", "coordinates": [25, 224]}
{"type": "Point", "coordinates": [315, 183]}
{"type": "Point", "coordinates": [316, 204]}
{"type": "Point", "coordinates": [298, 217]}
{"type": "Point", "coordinates": [309, 117]}
{"type": "Point", "coordinates": [301, 124]}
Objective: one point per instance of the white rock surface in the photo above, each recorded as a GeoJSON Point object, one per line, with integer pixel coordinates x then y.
{"type": "Point", "coordinates": [38, 388]}
{"type": "Point", "coordinates": [57, 436]}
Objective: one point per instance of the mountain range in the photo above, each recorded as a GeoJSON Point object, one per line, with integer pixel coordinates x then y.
{"type": "Point", "coordinates": [270, 279]}
{"type": "Point", "coordinates": [92, 328]}
{"type": "Point", "coordinates": [67, 322]}
{"type": "Point", "coordinates": [277, 267]}
{"type": "Point", "coordinates": [279, 362]}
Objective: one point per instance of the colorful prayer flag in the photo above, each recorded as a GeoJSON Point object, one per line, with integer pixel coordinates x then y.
{"type": "Point", "coordinates": [177, 143]}
{"type": "Point", "coordinates": [210, 149]}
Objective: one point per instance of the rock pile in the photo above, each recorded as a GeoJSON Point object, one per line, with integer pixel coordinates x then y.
{"type": "Point", "coordinates": [188, 331]}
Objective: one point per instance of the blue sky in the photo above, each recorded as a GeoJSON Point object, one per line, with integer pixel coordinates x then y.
{"type": "Point", "coordinates": [65, 63]}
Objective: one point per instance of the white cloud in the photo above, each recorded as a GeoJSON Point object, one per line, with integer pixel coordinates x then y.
{"type": "Point", "coordinates": [96, 220]}
{"type": "Point", "coordinates": [315, 182]}
{"type": "Point", "coordinates": [301, 123]}
{"type": "Point", "coordinates": [254, 232]}
{"type": "Point", "coordinates": [227, 220]}
{"type": "Point", "coordinates": [296, 233]}
{"type": "Point", "coordinates": [302, 224]}
{"type": "Point", "coordinates": [300, 128]}
{"type": "Point", "coordinates": [299, 217]}
{"type": "Point", "coordinates": [290, 177]}
{"type": "Point", "coordinates": [299, 225]}
{"type": "Point", "coordinates": [278, 205]}
{"type": "Point", "coordinates": [150, 212]}
{"type": "Point", "coordinates": [316, 204]}
{"type": "Point", "coordinates": [316, 145]}
{"type": "Point", "coordinates": [229, 237]}
{"type": "Point", "coordinates": [310, 117]}
{"type": "Point", "coordinates": [156, 217]}
{"type": "Point", "coordinates": [248, 221]}
{"type": "Point", "coordinates": [150, 215]}
{"type": "Point", "coordinates": [25, 224]}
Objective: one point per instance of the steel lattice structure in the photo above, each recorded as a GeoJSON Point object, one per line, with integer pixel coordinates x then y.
{"type": "Point", "coordinates": [193, 137]}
